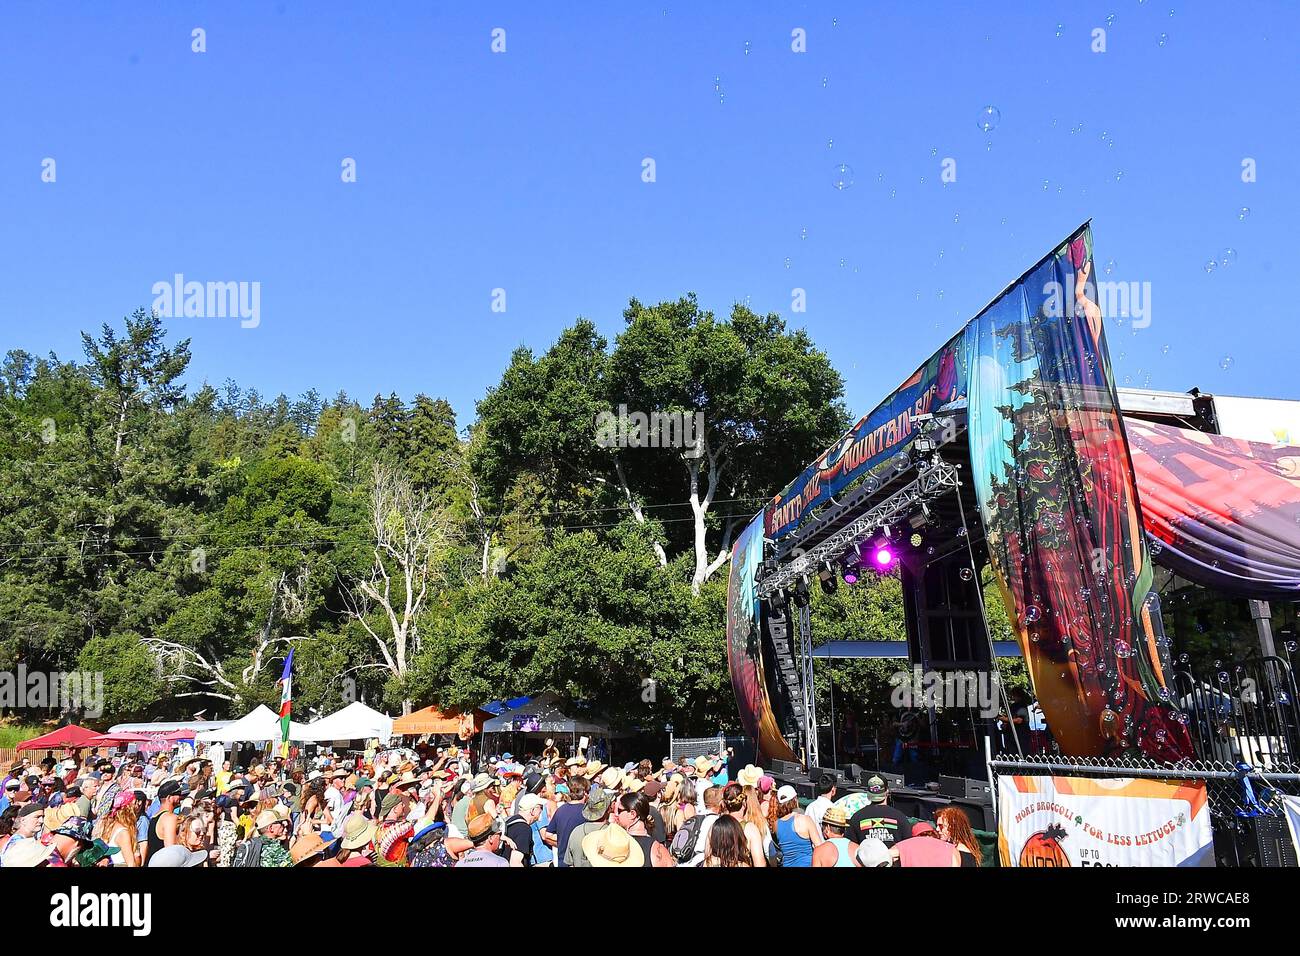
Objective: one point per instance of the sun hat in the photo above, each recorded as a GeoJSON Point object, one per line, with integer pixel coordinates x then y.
{"type": "Point", "coordinates": [593, 767]}
{"type": "Point", "coordinates": [702, 766]}
{"type": "Point", "coordinates": [873, 853]}
{"type": "Point", "coordinates": [175, 855]}
{"type": "Point", "coordinates": [56, 816]}
{"type": "Point", "coordinates": [575, 762]}
{"type": "Point", "coordinates": [610, 778]}
{"type": "Point", "coordinates": [597, 804]}
{"type": "Point", "coordinates": [653, 788]}
{"type": "Point", "coordinates": [632, 783]}
{"type": "Point", "coordinates": [786, 793]}
{"type": "Point", "coordinates": [357, 831]}
{"type": "Point", "coordinates": [407, 779]}
{"type": "Point", "coordinates": [77, 827]}
{"type": "Point", "coordinates": [481, 782]}
{"type": "Point", "coordinates": [94, 853]}
{"type": "Point", "coordinates": [612, 846]}
{"type": "Point", "coordinates": [307, 846]}
{"type": "Point", "coordinates": [390, 801]}
{"type": "Point", "coordinates": [27, 853]}
{"type": "Point", "coordinates": [269, 818]}
{"type": "Point", "coordinates": [835, 817]}
{"type": "Point", "coordinates": [481, 827]}
{"type": "Point", "coordinates": [749, 776]}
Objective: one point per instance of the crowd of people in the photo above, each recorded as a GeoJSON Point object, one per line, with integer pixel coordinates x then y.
{"type": "Point", "coordinates": [400, 809]}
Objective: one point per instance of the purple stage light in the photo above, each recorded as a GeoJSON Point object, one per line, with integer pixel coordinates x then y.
{"type": "Point", "coordinates": [850, 575]}
{"type": "Point", "coordinates": [883, 556]}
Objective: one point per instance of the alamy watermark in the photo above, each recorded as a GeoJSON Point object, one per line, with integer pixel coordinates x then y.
{"type": "Point", "coordinates": [1127, 300]}
{"type": "Point", "coordinates": [79, 691]}
{"type": "Point", "coordinates": [209, 300]}
{"type": "Point", "coordinates": [682, 430]}
{"type": "Point", "coordinates": [980, 691]}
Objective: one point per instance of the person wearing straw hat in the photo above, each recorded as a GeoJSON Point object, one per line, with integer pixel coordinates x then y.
{"type": "Point", "coordinates": [836, 851]}
{"type": "Point", "coordinates": [485, 834]}
{"type": "Point", "coordinates": [612, 846]}
{"type": "Point", "coordinates": [355, 845]}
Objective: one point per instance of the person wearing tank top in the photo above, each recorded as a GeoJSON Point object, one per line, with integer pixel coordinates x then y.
{"type": "Point", "coordinates": [164, 828]}
{"type": "Point", "coordinates": [837, 850]}
{"type": "Point", "coordinates": [796, 834]}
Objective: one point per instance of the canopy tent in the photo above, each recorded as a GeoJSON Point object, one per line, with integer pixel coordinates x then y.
{"type": "Point", "coordinates": [431, 720]}
{"type": "Point", "coordinates": [542, 714]}
{"type": "Point", "coordinates": [68, 737]}
{"type": "Point", "coordinates": [1223, 512]}
{"type": "Point", "coordinates": [356, 721]}
{"type": "Point", "coordinates": [498, 706]}
{"type": "Point", "coordinates": [122, 737]}
{"type": "Point", "coordinates": [261, 723]}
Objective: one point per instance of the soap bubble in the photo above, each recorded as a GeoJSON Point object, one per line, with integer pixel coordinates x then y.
{"type": "Point", "coordinates": [843, 177]}
{"type": "Point", "coordinates": [989, 118]}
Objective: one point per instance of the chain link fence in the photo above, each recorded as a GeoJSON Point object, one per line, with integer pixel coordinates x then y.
{"type": "Point", "coordinates": [1247, 815]}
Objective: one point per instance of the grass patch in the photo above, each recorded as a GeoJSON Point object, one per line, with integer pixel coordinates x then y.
{"type": "Point", "coordinates": [11, 735]}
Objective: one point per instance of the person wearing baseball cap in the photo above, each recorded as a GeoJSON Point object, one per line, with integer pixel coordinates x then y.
{"type": "Point", "coordinates": [164, 827]}
{"type": "Point", "coordinates": [878, 819]}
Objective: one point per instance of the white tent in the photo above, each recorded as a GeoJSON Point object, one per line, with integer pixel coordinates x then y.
{"type": "Point", "coordinates": [356, 721]}
{"type": "Point", "coordinates": [542, 714]}
{"type": "Point", "coordinates": [259, 724]}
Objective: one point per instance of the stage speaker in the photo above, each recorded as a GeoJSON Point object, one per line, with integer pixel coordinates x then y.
{"type": "Point", "coordinates": [979, 790]}
{"type": "Point", "coordinates": [952, 786]}
{"type": "Point", "coordinates": [894, 781]}
{"type": "Point", "coordinates": [785, 768]}
{"type": "Point", "coordinates": [1273, 841]}
{"type": "Point", "coordinates": [853, 773]}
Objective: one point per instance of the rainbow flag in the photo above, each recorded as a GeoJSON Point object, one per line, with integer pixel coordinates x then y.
{"type": "Point", "coordinates": [286, 701]}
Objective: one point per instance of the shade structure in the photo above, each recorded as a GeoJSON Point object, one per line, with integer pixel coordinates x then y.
{"type": "Point", "coordinates": [122, 737]}
{"type": "Point", "coordinates": [543, 714]}
{"type": "Point", "coordinates": [259, 724]}
{"type": "Point", "coordinates": [69, 737]}
{"type": "Point", "coordinates": [356, 721]}
{"type": "Point", "coordinates": [431, 720]}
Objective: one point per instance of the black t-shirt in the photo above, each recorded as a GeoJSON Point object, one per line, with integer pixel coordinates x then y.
{"type": "Point", "coordinates": [522, 834]}
{"type": "Point", "coordinates": [881, 821]}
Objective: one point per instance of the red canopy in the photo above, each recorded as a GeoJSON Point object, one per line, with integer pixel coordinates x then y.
{"type": "Point", "coordinates": [70, 737]}
{"type": "Point", "coordinates": [123, 737]}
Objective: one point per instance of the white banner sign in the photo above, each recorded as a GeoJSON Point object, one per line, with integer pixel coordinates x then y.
{"type": "Point", "coordinates": [1078, 821]}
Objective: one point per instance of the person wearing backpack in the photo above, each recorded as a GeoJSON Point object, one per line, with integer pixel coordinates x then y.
{"type": "Point", "coordinates": [519, 826]}
{"type": "Point", "coordinates": [692, 838]}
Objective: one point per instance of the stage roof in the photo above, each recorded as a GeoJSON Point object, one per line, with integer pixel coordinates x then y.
{"type": "Point", "coordinates": [891, 649]}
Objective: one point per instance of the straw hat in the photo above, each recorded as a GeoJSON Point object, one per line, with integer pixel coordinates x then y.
{"type": "Point", "coordinates": [593, 768]}
{"type": "Point", "coordinates": [703, 766]}
{"type": "Point", "coordinates": [612, 846]}
{"type": "Point", "coordinates": [357, 831]}
{"type": "Point", "coordinates": [835, 817]}
{"type": "Point", "coordinates": [27, 853]}
{"type": "Point", "coordinates": [270, 817]}
{"type": "Point", "coordinates": [632, 783]}
{"type": "Point", "coordinates": [610, 778]}
{"type": "Point", "coordinates": [307, 846]}
{"type": "Point", "coordinates": [407, 779]}
{"type": "Point", "coordinates": [750, 776]}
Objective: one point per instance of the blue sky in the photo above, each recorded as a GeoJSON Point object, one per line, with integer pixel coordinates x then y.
{"type": "Point", "coordinates": [522, 171]}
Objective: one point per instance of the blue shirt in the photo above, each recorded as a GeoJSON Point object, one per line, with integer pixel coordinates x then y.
{"type": "Point", "coordinates": [567, 817]}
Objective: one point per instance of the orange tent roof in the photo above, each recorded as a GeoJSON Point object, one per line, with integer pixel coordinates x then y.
{"type": "Point", "coordinates": [431, 720]}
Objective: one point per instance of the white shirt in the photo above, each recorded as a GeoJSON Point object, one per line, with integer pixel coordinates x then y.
{"type": "Point", "coordinates": [702, 841]}
{"type": "Point", "coordinates": [816, 809]}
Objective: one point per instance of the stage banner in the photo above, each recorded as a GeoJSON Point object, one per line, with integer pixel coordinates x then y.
{"type": "Point", "coordinates": [1078, 821]}
{"type": "Point", "coordinates": [1058, 500]}
{"type": "Point", "coordinates": [744, 646]}
{"type": "Point", "coordinates": [1223, 512]}
{"type": "Point", "coordinates": [869, 445]}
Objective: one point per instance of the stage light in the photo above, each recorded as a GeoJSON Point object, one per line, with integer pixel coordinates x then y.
{"type": "Point", "coordinates": [801, 595]}
{"type": "Point", "coordinates": [882, 557]}
{"type": "Point", "coordinates": [826, 574]}
{"type": "Point", "coordinates": [850, 575]}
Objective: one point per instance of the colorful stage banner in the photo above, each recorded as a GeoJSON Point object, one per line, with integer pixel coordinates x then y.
{"type": "Point", "coordinates": [1077, 821]}
{"type": "Point", "coordinates": [876, 438]}
{"type": "Point", "coordinates": [1220, 511]}
{"type": "Point", "coordinates": [744, 646]}
{"type": "Point", "coordinates": [1059, 505]}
